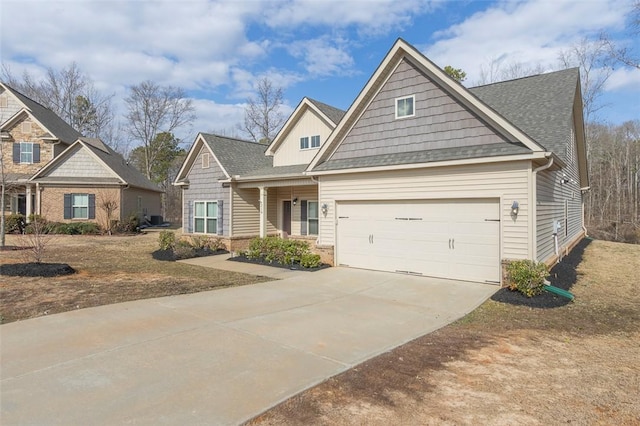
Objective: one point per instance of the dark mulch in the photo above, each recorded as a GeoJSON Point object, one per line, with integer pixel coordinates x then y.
{"type": "Point", "coordinates": [171, 255]}
{"type": "Point", "coordinates": [294, 267]}
{"type": "Point", "coordinates": [36, 269]}
{"type": "Point", "coordinates": [563, 275]}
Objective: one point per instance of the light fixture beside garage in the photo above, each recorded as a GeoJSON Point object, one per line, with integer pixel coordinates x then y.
{"type": "Point", "coordinates": [514, 208]}
{"type": "Point", "coordinates": [295, 200]}
{"type": "Point", "coordinates": [324, 208]}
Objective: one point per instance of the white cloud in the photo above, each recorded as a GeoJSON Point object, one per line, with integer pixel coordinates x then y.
{"type": "Point", "coordinates": [324, 56]}
{"type": "Point", "coordinates": [531, 33]}
{"type": "Point", "coordinates": [624, 79]}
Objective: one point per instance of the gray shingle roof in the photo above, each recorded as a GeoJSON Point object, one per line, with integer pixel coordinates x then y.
{"type": "Point", "coordinates": [56, 125]}
{"type": "Point", "coordinates": [540, 105]}
{"type": "Point", "coordinates": [333, 113]}
{"type": "Point", "coordinates": [237, 156]}
{"type": "Point", "coordinates": [278, 171]}
{"type": "Point", "coordinates": [427, 156]}
{"type": "Point", "coordinates": [119, 165]}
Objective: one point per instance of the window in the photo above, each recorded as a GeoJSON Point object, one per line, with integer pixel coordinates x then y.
{"type": "Point", "coordinates": [205, 160]}
{"type": "Point", "coordinates": [80, 206]}
{"type": "Point", "coordinates": [312, 217]}
{"type": "Point", "coordinates": [304, 143]}
{"type": "Point", "coordinates": [26, 152]}
{"type": "Point", "coordinates": [205, 218]}
{"type": "Point", "coordinates": [315, 141]}
{"type": "Point", "coordinates": [405, 107]}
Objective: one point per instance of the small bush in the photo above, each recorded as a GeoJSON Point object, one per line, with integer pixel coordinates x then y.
{"type": "Point", "coordinates": [14, 223]}
{"type": "Point", "coordinates": [206, 242]}
{"type": "Point", "coordinates": [167, 240]}
{"type": "Point", "coordinates": [130, 225]}
{"type": "Point", "coordinates": [527, 276]}
{"type": "Point", "coordinates": [310, 260]}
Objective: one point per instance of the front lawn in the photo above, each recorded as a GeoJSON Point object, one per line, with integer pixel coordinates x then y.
{"type": "Point", "coordinates": [110, 269]}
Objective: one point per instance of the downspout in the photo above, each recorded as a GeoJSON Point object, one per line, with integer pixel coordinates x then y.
{"type": "Point", "coordinates": [582, 192]}
{"type": "Point", "coordinates": [534, 213]}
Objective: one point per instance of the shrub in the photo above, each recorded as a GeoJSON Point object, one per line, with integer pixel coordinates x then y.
{"type": "Point", "coordinates": [167, 240]}
{"type": "Point", "coordinates": [310, 260]}
{"type": "Point", "coordinates": [14, 223]}
{"type": "Point", "coordinates": [285, 252]}
{"type": "Point", "coordinates": [205, 242]}
{"type": "Point", "coordinates": [527, 276]}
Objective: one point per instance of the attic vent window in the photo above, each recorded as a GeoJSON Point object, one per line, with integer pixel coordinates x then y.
{"type": "Point", "coordinates": [205, 161]}
{"type": "Point", "coordinates": [4, 102]}
{"type": "Point", "coordinates": [26, 127]}
{"type": "Point", "coordinates": [405, 107]}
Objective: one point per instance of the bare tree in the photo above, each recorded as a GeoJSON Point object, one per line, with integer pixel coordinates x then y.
{"type": "Point", "coordinates": [4, 187]}
{"type": "Point", "coordinates": [495, 71]}
{"type": "Point", "coordinates": [71, 95]}
{"type": "Point", "coordinates": [593, 60]}
{"type": "Point", "coordinates": [107, 201]}
{"type": "Point", "coordinates": [624, 54]}
{"type": "Point", "coordinates": [262, 116]}
{"type": "Point", "coordinates": [154, 109]}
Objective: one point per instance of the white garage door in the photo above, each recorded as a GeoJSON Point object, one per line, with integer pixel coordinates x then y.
{"type": "Point", "coordinates": [444, 238]}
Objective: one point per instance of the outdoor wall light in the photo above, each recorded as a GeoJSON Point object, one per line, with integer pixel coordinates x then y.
{"type": "Point", "coordinates": [324, 209]}
{"type": "Point", "coordinates": [514, 208]}
{"type": "Point", "coordinates": [295, 200]}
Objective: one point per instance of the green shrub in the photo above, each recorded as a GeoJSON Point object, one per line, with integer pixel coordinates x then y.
{"type": "Point", "coordinates": [167, 240]}
{"type": "Point", "coordinates": [310, 260]}
{"type": "Point", "coordinates": [14, 223]}
{"type": "Point", "coordinates": [286, 252]}
{"type": "Point", "coordinates": [527, 276]}
{"type": "Point", "coordinates": [202, 242]}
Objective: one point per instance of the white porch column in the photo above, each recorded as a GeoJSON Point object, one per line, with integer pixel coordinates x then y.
{"type": "Point", "coordinates": [38, 208]}
{"type": "Point", "coordinates": [263, 212]}
{"type": "Point", "coordinates": [29, 208]}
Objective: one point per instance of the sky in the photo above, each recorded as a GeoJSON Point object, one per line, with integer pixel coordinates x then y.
{"type": "Point", "coordinates": [323, 49]}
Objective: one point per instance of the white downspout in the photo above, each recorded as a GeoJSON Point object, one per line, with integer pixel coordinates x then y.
{"type": "Point", "coordinates": [534, 213]}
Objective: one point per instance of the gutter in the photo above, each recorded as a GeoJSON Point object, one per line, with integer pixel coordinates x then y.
{"type": "Point", "coordinates": [534, 192]}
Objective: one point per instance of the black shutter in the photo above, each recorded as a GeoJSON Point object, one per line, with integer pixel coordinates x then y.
{"type": "Point", "coordinates": [190, 218]}
{"type": "Point", "coordinates": [220, 217]}
{"type": "Point", "coordinates": [67, 206]}
{"type": "Point", "coordinates": [92, 206]}
{"type": "Point", "coordinates": [303, 217]}
{"type": "Point", "coordinates": [36, 152]}
{"type": "Point", "coordinates": [16, 152]}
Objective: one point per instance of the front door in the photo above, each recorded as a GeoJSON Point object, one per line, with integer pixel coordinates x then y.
{"type": "Point", "coordinates": [286, 217]}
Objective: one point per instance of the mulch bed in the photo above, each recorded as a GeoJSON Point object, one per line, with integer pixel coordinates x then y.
{"type": "Point", "coordinates": [563, 275]}
{"type": "Point", "coordinates": [294, 267]}
{"type": "Point", "coordinates": [36, 269]}
{"type": "Point", "coordinates": [171, 255]}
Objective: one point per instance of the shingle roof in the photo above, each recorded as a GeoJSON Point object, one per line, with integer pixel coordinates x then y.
{"type": "Point", "coordinates": [56, 125]}
{"type": "Point", "coordinates": [237, 156]}
{"type": "Point", "coordinates": [333, 113]}
{"type": "Point", "coordinates": [119, 165]}
{"type": "Point", "coordinates": [278, 171]}
{"type": "Point", "coordinates": [540, 105]}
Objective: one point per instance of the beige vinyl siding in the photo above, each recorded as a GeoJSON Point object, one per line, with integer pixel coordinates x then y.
{"type": "Point", "coordinates": [81, 164]}
{"type": "Point", "coordinates": [289, 152]}
{"type": "Point", "coordinates": [246, 211]}
{"type": "Point", "coordinates": [551, 197]}
{"type": "Point", "coordinates": [204, 185]}
{"type": "Point", "coordinates": [150, 202]}
{"type": "Point", "coordinates": [504, 181]}
{"type": "Point", "coordinates": [439, 121]}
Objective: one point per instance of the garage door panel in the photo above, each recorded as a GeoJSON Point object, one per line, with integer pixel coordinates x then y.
{"type": "Point", "coordinates": [445, 238]}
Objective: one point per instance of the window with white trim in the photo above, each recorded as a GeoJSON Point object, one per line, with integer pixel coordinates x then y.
{"type": "Point", "coordinates": [80, 206]}
{"type": "Point", "coordinates": [205, 218]}
{"type": "Point", "coordinates": [304, 142]}
{"type": "Point", "coordinates": [312, 217]}
{"type": "Point", "coordinates": [315, 141]}
{"type": "Point", "coordinates": [26, 152]}
{"type": "Point", "coordinates": [405, 107]}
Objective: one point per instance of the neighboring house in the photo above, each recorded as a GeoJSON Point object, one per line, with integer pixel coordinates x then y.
{"type": "Point", "coordinates": [421, 175]}
{"type": "Point", "coordinates": [226, 181]}
{"type": "Point", "coordinates": [89, 181]}
{"type": "Point", "coordinates": [31, 136]}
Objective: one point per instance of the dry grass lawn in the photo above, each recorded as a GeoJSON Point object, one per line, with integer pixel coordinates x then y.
{"type": "Point", "coordinates": [110, 270]}
{"type": "Point", "coordinates": [503, 364]}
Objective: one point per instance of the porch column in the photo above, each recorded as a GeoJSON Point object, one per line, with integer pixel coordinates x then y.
{"type": "Point", "coordinates": [29, 207]}
{"type": "Point", "coordinates": [263, 212]}
{"type": "Point", "coordinates": [38, 199]}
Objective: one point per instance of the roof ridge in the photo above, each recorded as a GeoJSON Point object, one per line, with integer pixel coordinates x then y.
{"type": "Point", "coordinates": [232, 138]}
{"type": "Point", "coordinates": [16, 91]}
{"type": "Point", "coordinates": [525, 77]}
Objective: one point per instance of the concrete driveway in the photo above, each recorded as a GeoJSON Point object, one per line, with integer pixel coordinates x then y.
{"type": "Point", "coordinates": [218, 357]}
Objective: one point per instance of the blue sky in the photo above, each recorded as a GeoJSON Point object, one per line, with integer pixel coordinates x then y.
{"type": "Point", "coordinates": [323, 49]}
